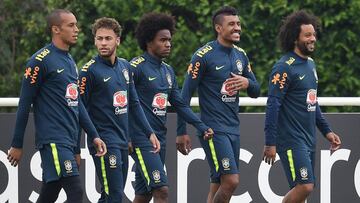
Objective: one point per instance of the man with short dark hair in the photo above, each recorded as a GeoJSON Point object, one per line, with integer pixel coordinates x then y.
{"type": "Point", "coordinates": [50, 84]}
{"type": "Point", "coordinates": [108, 93]}
{"type": "Point", "coordinates": [292, 111]}
{"type": "Point", "coordinates": [219, 70]}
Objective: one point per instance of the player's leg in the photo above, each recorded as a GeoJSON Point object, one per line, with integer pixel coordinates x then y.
{"type": "Point", "coordinates": [49, 192]}
{"type": "Point", "coordinates": [58, 162]}
{"type": "Point", "coordinates": [222, 161]}
{"type": "Point", "coordinates": [228, 153]}
{"type": "Point", "coordinates": [73, 189]}
{"type": "Point", "coordinates": [150, 177]}
{"type": "Point", "coordinates": [109, 170]}
{"type": "Point", "coordinates": [213, 189]}
{"type": "Point", "coordinates": [299, 169]}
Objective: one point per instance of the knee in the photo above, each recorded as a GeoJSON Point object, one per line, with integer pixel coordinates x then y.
{"type": "Point", "coordinates": [306, 188]}
{"type": "Point", "coordinates": [230, 181]}
{"type": "Point", "coordinates": [161, 192]}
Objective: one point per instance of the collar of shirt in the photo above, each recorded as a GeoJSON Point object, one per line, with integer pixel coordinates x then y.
{"type": "Point", "coordinates": [106, 62]}
{"type": "Point", "coordinates": [152, 59]}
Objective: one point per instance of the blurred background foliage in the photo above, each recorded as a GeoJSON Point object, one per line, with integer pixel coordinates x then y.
{"type": "Point", "coordinates": [22, 32]}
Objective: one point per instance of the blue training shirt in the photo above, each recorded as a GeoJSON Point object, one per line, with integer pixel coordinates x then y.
{"type": "Point", "coordinates": [50, 83]}
{"type": "Point", "coordinates": [156, 84]}
{"type": "Point", "coordinates": [292, 110]}
{"type": "Point", "coordinates": [210, 66]}
{"type": "Point", "coordinates": [107, 90]}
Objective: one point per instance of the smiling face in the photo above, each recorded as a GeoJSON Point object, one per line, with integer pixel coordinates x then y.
{"type": "Point", "coordinates": [228, 29]}
{"type": "Point", "coordinates": [106, 42]}
{"type": "Point", "coordinates": [160, 46]}
{"type": "Point", "coordinates": [305, 44]}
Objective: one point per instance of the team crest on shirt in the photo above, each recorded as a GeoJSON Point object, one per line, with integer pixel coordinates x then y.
{"type": "Point", "coordinates": [72, 94]}
{"type": "Point", "coordinates": [120, 102]}
{"type": "Point", "coordinates": [303, 173]}
{"type": "Point", "coordinates": [68, 166]}
{"type": "Point", "coordinates": [126, 75]}
{"type": "Point", "coordinates": [159, 103]}
{"type": "Point", "coordinates": [112, 161]}
{"type": "Point", "coordinates": [168, 77]}
{"type": "Point", "coordinates": [311, 100]}
{"type": "Point", "coordinates": [156, 176]}
{"type": "Point", "coordinates": [226, 163]}
{"type": "Point", "coordinates": [239, 66]}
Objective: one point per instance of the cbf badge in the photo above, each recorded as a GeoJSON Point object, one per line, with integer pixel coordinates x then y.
{"type": "Point", "coordinates": [239, 66]}
{"type": "Point", "coordinates": [112, 161]}
{"type": "Point", "coordinates": [168, 77]}
{"type": "Point", "coordinates": [126, 75]}
{"type": "Point", "coordinates": [315, 75]}
{"type": "Point", "coordinates": [68, 166]}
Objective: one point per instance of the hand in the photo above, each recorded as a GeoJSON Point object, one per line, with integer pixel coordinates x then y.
{"type": "Point", "coordinates": [100, 147]}
{"type": "Point", "coordinates": [78, 160]}
{"type": "Point", "coordinates": [208, 134]}
{"type": "Point", "coordinates": [236, 82]}
{"type": "Point", "coordinates": [130, 148]}
{"type": "Point", "coordinates": [155, 143]}
{"type": "Point", "coordinates": [269, 154]}
{"type": "Point", "coordinates": [14, 155]}
{"type": "Point", "coordinates": [183, 144]}
{"type": "Point", "coordinates": [334, 140]}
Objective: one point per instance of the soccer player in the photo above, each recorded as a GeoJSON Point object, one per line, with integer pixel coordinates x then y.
{"type": "Point", "coordinates": [50, 85]}
{"type": "Point", "coordinates": [219, 70]}
{"type": "Point", "coordinates": [108, 93]}
{"type": "Point", "coordinates": [156, 84]}
{"type": "Point", "coordinates": [292, 110]}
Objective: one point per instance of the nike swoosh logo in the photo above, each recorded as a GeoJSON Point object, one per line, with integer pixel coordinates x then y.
{"type": "Point", "coordinates": [218, 67]}
{"type": "Point", "coordinates": [151, 79]}
{"type": "Point", "coordinates": [301, 77]}
{"type": "Point", "coordinates": [107, 79]}
{"type": "Point", "coordinates": [59, 70]}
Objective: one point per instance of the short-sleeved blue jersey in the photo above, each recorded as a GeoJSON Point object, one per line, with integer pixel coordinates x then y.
{"type": "Point", "coordinates": [293, 82]}
{"type": "Point", "coordinates": [108, 93]}
{"type": "Point", "coordinates": [50, 83]}
{"type": "Point", "coordinates": [156, 84]}
{"type": "Point", "coordinates": [210, 66]}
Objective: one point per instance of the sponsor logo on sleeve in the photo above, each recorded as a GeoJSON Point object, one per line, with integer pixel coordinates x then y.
{"type": "Point", "coordinates": [279, 79]}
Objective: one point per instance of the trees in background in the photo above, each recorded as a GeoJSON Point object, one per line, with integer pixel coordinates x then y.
{"type": "Point", "coordinates": [22, 31]}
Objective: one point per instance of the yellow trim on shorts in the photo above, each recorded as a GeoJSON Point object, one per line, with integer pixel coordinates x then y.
{"type": "Point", "coordinates": [213, 154]}
{"type": "Point", "coordinates": [291, 164]}
{"type": "Point", "coordinates": [56, 158]}
{"type": "Point", "coordinates": [142, 164]}
{"type": "Point", "coordinates": [103, 172]}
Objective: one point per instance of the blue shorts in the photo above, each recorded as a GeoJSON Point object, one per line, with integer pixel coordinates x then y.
{"type": "Point", "coordinates": [150, 173]}
{"type": "Point", "coordinates": [299, 166]}
{"type": "Point", "coordinates": [57, 161]}
{"type": "Point", "coordinates": [111, 171]}
{"type": "Point", "coordinates": [222, 153]}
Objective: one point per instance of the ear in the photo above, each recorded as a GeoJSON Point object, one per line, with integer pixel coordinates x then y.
{"type": "Point", "coordinates": [118, 41]}
{"type": "Point", "coordinates": [55, 29]}
{"type": "Point", "coordinates": [218, 28]}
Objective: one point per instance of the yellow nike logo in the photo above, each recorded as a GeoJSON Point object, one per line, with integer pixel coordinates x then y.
{"type": "Point", "coordinates": [301, 77]}
{"type": "Point", "coordinates": [107, 79]}
{"type": "Point", "coordinates": [151, 79]}
{"type": "Point", "coordinates": [59, 70]}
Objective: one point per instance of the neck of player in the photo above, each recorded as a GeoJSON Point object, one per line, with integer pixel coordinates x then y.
{"type": "Point", "coordinates": [60, 44]}
{"type": "Point", "coordinates": [224, 42]}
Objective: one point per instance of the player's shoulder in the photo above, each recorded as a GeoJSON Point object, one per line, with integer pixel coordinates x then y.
{"type": "Point", "coordinates": [86, 67]}
{"type": "Point", "coordinates": [239, 49]}
{"type": "Point", "coordinates": [168, 67]}
{"type": "Point", "coordinates": [41, 55]}
{"type": "Point", "coordinates": [205, 50]}
{"type": "Point", "coordinates": [137, 61]}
